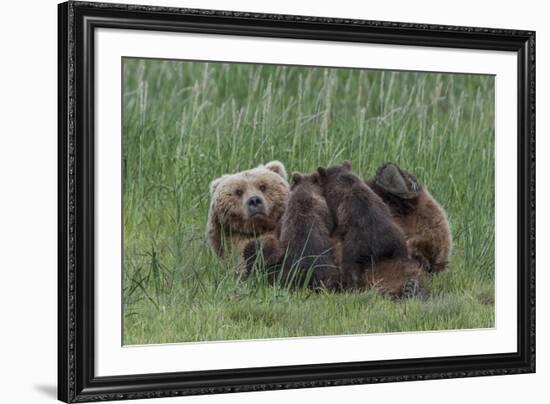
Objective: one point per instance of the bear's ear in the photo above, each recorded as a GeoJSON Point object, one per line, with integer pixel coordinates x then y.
{"type": "Point", "coordinates": [322, 171]}
{"type": "Point", "coordinates": [346, 164]}
{"type": "Point", "coordinates": [296, 178]}
{"type": "Point", "coordinates": [214, 184]}
{"type": "Point", "coordinates": [277, 167]}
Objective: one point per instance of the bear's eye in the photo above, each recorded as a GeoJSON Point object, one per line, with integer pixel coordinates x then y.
{"type": "Point", "coordinates": [239, 192]}
{"type": "Point", "coordinates": [263, 188]}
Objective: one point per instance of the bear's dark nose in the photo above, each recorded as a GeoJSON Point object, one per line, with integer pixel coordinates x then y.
{"type": "Point", "coordinates": [254, 202]}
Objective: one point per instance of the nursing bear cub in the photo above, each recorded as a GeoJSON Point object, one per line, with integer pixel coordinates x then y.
{"type": "Point", "coordinates": [420, 217]}
{"type": "Point", "coordinates": [301, 252]}
{"type": "Point", "coordinates": [373, 247]}
{"type": "Point", "coordinates": [305, 236]}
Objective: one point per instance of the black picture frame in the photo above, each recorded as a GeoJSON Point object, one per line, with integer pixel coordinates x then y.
{"type": "Point", "coordinates": [77, 22]}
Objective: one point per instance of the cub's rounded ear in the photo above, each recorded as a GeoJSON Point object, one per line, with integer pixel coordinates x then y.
{"type": "Point", "coordinates": [214, 184]}
{"type": "Point", "coordinates": [296, 178]}
{"type": "Point", "coordinates": [322, 171]}
{"type": "Point", "coordinates": [277, 167]}
{"type": "Point", "coordinates": [346, 164]}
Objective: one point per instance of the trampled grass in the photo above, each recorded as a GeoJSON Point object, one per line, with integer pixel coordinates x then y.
{"type": "Point", "coordinates": [186, 123]}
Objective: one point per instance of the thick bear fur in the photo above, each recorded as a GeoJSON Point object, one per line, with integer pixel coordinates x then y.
{"type": "Point", "coordinates": [398, 277]}
{"type": "Point", "coordinates": [235, 226]}
{"type": "Point", "coordinates": [302, 252]}
{"type": "Point", "coordinates": [418, 214]}
{"type": "Point", "coordinates": [305, 236]}
{"type": "Point", "coordinates": [245, 206]}
{"type": "Point", "coordinates": [363, 222]}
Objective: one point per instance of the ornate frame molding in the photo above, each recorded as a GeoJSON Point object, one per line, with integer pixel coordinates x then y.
{"type": "Point", "coordinates": [77, 21]}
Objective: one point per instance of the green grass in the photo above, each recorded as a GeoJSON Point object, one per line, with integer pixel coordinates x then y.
{"type": "Point", "coordinates": [186, 123]}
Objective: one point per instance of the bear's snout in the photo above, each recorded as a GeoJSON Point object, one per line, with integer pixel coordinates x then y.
{"type": "Point", "coordinates": [255, 204]}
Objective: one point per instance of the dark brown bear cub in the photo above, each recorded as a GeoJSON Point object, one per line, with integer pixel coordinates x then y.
{"type": "Point", "coordinates": [305, 236]}
{"type": "Point", "coordinates": [363, 223]}
{"type": "Point", "coordinates": [302, 253]}
{"type": "Point", "coordinates": [420, 217]}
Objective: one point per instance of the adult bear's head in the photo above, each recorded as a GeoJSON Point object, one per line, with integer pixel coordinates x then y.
{"type": "Point", "coordinates": [250, 202]}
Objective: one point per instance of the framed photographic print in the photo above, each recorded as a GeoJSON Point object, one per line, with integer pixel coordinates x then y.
{"type": "Point", "coordinates": [252, 202]}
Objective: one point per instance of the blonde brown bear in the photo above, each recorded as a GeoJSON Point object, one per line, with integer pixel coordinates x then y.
{"type": "Point", "coordinates": [245, 206]}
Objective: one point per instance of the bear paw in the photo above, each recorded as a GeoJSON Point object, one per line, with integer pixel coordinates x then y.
{"type": "Point", "coordinates": [265, 252]}
{"type": "Point", "coordinates": [412, 288]}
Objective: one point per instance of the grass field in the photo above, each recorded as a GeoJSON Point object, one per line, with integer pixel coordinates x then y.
{"type": "Point", "coordinates": [186, 123]}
